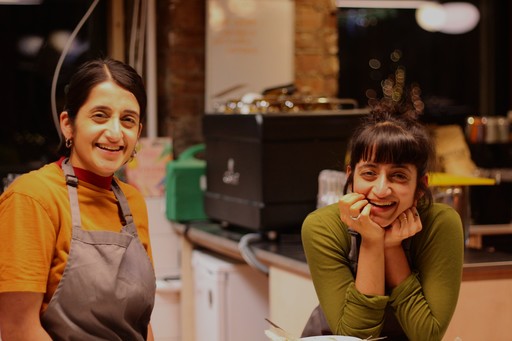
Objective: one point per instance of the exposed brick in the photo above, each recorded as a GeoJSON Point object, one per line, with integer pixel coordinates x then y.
{"type": "Point", "coordinates": [308, 19]}
{"type": "Point", "coordinates": [181, 61]}
{"type": "Point", "coordinates": [310, 63]}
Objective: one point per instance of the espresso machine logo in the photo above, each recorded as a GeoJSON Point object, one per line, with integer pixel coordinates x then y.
{"type": "Point", "coordinates": [230, 176]}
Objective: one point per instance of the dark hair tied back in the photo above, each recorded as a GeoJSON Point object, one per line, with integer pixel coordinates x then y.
{"type": "Point", "coordinates": [94, 72]}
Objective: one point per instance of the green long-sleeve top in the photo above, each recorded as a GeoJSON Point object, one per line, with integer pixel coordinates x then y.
{"type": "Point", "coordinates": [423, 303]}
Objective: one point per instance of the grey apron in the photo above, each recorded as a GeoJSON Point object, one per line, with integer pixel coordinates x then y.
{"type": "Point", "coordinates": [107, 290]}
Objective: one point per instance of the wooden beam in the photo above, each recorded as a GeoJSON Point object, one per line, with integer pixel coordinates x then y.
{"type": "Point", "coordinates": [116, 34]}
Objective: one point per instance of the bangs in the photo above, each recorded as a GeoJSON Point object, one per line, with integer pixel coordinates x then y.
{"type": "Point", "coordinates": [390, 147]}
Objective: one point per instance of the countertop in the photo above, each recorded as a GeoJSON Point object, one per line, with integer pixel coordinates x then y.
{"type": "Point", "coordinates": [286, 250]}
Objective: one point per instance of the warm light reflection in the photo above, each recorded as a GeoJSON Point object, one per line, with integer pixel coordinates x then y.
{"type": "Point", "coordinates": [371, 93]}
{"type": "Point", "coordinates": [243, 8]}
{"type": "Point", "coordinates": [379, 3]}
{"type": "Point", "coordinates": [450, 17]}
{"type": "Point", "coordinates": [20, 2]}
{"type": "Point", "coordinates": [461, 17]}
{"type": "Point", "coordinates": [216, 16]}
{"type": "Point", "coordinates": [431, 16]}
{"type": "Point", "coordinates": [30, 45]}
{"type": "Point", "coordinates": [59, 39]}
{"type": "Point", "coordinates": [395, 55]}
{"type": "Point", "coordinates": [395, 92]}
{"type": "Point", "coordinates": [374, 63]}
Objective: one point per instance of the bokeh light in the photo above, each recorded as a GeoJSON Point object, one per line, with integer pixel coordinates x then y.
{"type": "Point", "coordinates": [461, 17]}
{"type": "Point", "coordinates": [431, 16]}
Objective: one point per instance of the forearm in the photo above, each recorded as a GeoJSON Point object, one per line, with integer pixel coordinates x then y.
{"type": "Point", "coordinates": [19, 317]}
{"type": "Point", "coordinates": [150, 334]}
{"type": "Point", "coordinates": [397, 266]}
{"type": "Point", "coordinates": [24, 331]}
{"type": "Point", "coordinates": [370, 278]}
{"type": "Point", "coordinates": [424, 302]}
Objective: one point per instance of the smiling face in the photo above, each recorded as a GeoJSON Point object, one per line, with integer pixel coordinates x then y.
{"type": "Point", "coordinates": [105, 130]}
{"type": "Point", "coordinates": [389, 188]}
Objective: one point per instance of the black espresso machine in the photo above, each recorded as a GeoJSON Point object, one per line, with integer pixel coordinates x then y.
{"type": "Point", "coordinates": [262, 169]}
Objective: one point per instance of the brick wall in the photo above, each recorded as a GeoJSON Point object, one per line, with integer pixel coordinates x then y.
{"type": "Point", "coordinates": [181, 70]}
{"type": "Point", "coordinates": [181, 61]}
{"type": "Point", "coordinates": [316, 47]}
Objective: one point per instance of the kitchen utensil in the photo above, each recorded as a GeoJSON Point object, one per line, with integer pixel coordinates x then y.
{"type": "Point", "coordinates": [280, 333]}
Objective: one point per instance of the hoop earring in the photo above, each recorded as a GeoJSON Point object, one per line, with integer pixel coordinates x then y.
{"type": "Point", "coordinates": [132, 155]}
{"type": "Point", "coordinates": [69, 143]}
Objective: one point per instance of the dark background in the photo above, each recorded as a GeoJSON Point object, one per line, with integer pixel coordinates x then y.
{"type": "Point", "coordinates": [28, 136]}
{"type": "Point", "coordinates": [459, 75]}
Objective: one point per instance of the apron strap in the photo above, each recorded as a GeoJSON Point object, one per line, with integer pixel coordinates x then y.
{"type": "Point", "coordinates": [355, 244]}
{"type": "Point", "coordinates": [125, 209]}
{"type": "Point", "coordinates": [72, 183]}
{"type": "Point", "coordinates": [353, 255]}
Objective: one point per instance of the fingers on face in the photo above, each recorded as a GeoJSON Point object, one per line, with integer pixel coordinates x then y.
{"type": "Point", "coordinates": [409, 215]}
{"type": "Point", "coordinates": [352, 204]}
{"type": "Point", "coordinates": [359, 208]}
{"type": "Point", "coordinates": [410, 219]}
{"type": "Point", "coordinates": [403, 218]}
{"type": "Point", "coordinates": [360, 212]}
{"type": "Point", "coordinates": [351, 198]}
{"type": "Point", "coordinates": [355, 218]}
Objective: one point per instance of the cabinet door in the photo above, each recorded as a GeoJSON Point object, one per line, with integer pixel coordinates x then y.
{"type": "Point", "coordinates": [483, 312]}
{"type": "Point", "coordinates": [292, 299]}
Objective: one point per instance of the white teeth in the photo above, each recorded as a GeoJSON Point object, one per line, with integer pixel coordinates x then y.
{"type": "Point", "coordinates": [110, 148]}
{"type": "Point", "coordinates": [381, 204]}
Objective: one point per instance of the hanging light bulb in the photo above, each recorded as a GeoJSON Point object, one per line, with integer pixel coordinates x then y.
{"type": "Point", "coordinates": [461, 17]}
{"type": "Point", "coordinates": [450, 17]}
{"type": "Point", "coordinates": [431, 16]}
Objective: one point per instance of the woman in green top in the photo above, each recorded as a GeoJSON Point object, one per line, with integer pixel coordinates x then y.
{"type": "Point", "coordinates": [406, 280]}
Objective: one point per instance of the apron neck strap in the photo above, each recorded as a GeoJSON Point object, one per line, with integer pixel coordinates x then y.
{"type": "Point", "coordinates": [72, 184]}
{"type": "Point", "coordinates": [123, 203]}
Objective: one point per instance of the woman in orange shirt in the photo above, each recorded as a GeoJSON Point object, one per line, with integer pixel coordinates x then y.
{"type": "Point", "coordinates": [75, 256]}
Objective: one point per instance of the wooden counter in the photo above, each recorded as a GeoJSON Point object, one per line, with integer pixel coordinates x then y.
{"type": "Point", "coordinates": [483, 311]}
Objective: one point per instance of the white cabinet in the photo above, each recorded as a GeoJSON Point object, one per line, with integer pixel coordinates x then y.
{"type": "Point", "coordinates": [231, 299]}
{"type": "Point", "coordinates": [165, 320]}
{"type": "Point", "coordinates": [292, 299]}
{"type": "Point", "coordinates": [165, 245]}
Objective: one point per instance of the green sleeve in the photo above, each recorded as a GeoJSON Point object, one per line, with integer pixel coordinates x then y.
{"type": "Point", "coordinates": [327, 244]}
{"type": "Point", "coordinates": [425, 302]}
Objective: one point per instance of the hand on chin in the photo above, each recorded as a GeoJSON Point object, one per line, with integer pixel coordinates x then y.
{"type": "Point", "coordinates": [382, 222]}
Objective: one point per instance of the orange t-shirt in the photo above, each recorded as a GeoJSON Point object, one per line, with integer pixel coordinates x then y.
{"type": "Point", "coordinates": [35, 227]}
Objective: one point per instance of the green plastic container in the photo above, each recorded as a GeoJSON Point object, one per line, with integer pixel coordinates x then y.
{"type": "Point", "coordinates": [185, 186]}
